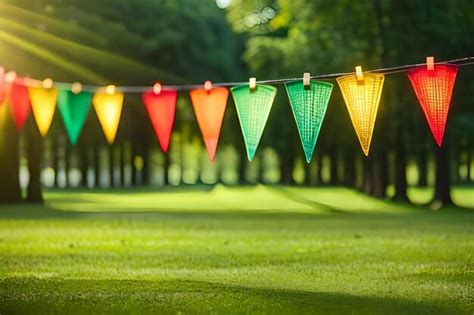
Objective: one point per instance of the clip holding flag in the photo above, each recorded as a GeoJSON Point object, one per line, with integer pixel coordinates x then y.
{"type": "Point", "coordinates": [359, 74]}
{"type": "Point", "coordinates": [110, 89]}
{"type": "Point", "coordinates": [208, 86]}
{"type": "Point", "coordinates": [306, 80]}
{"type": "Point", "coordinates": [7, 80]}
{"type": "Point", "coordinates": [430, 66]}
{"type": "Point", "coordinates": [10, 77]}
{"type": "Point", "coordinates": [157, 88]}
{"type": "Point", "coordinates": [47, 83]}
{"type": "Point", "coordinates": [252, 83]}
{"type": "Point", "coordinates": [76, 88]}
{"type": "Point", "coordinates": [430, 63]}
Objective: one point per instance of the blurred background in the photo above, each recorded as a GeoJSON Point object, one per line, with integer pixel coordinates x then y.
{"type": "Point", "coordinates": [188, 41]}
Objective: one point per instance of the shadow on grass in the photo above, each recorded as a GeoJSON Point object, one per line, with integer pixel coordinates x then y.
{"type": "Point", "coordinates": [47, 212]}
{"type": "Point", "coordinates": [135, 190]}
{"type": "Point", "coordinates": [105, 205]}
{"type": "Point", "coordinates": [405, 206]}
{"type": "Point", "coordinates": [34, 296]}
{"type": "Point", "coordinates": [307, 202]}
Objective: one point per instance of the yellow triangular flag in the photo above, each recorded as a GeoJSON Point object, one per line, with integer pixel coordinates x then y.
{"type": "Point", "coordinates": [43, 105]}
{"type": "Point", "coordinates": [362, 96]}
{"type": "Point", "coordinates": [108, 107]}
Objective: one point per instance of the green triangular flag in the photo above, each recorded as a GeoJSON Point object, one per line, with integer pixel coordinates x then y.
{"type": "Point", "coordinates": [74, 109]}
{"type": "Point", "coordinates": [309, 106]}
{"type": "Point", "coordinates": [253, 108]}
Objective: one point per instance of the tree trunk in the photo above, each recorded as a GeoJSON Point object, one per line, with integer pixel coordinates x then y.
{"type": "Point", "coordinates": [111, 166]}
{"type": "Point", "coordinates": [96, 160]}
{"type": "Point", "coordinates": [400, 179]}
{"type": "Point", "coordinates": [367, 176]}
{"type": "Point", "coordinates": [422, 168]}
{"type": "Point", "coordinates": [349, 170]}
{"type": "Point", "coordinates": [146, 165]}
{"type": "Point", "coordinates": [137, 172]}
{"type": "Point", "coordinates": [67, 161]}
{"type": "Point", "coordinates": [334, 166]}
{"type": "Point", "coordinates": [84, 157]}
{"type": "Point", "coordinates": [122, 164]}
{"type": "Point", "coordinates": [10, 191]}
{"type": "Point", "coordinates": [443, 181]}
{"type": "Point", "coordinates": [55, 155]}
{"type": "Point", "coordinates": [384, 172]}
{"type": "Point", "coordinates": [286, 168]}
{"type": "Point", "coordinates": [307, 174]}
{"type": "Point", "coordinates": [319, 171]}
{"type": "Point", "coordinates": [468, 165]}
{"type": "Point", "coordinates": [456, 163]}
{"type": "Point", "coordinates": [243, 169]}
{"type": "Point", "coordinates": [379, 178]}
{"type": "Point", "coordinates": [34, 150]}
{"type": "Point", "coordinates": [379, 175]}
{"type": "Point", "coordinates": [166, 167]}
{"type": "Point", "coordinates": [134, 168]}
{"type": "Point", "coordinates": [261, 169]}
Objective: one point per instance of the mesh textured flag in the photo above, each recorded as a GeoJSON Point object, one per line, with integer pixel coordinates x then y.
{"type": "Point", "coordinates": [253, 107]}
{"type": "Point", "coordinates": [309, 106]}
{"type": "Point", "coordinates": [434, 89]}
{"type": "Point", "coordinates": [362, 98]}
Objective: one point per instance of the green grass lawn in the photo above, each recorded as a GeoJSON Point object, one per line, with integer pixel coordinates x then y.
{"type": "Point", "coordinates": [236, 250]}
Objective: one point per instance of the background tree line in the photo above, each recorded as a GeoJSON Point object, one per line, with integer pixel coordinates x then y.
{"type": "Point", "coordinates": [190, 41]}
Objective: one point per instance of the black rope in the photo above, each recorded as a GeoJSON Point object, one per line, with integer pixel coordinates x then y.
{"type": "Point", "coordinates": [140, 89]}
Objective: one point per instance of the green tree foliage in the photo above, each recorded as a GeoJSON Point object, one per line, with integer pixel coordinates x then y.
{"type": "Point", "coordinates": [189, 41]}
{"type": "Point", "coordinates": [119, 42]}
{"type": "Point", "coordinates": [287, 38]}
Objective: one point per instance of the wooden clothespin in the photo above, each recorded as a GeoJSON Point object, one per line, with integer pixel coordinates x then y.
{"type": "Point", "coordinates": [430, 63]}
{"type": "Point", "coordinates": [48, 83]}
{"type": "Point", "coordinates": [252, 84]}
{"type": "Point", "coordinates": [208, 86]}
{"type": "Point", "coordinates": [76, 87]}
{"type": "Point", "coordinates": [359, 74]}
{"type": "Point", "coordinates": [157, 88]}
{"type": "Point", "coordinates": [110, 89]}
{"type": "Point", "coordinates": [306, 80]}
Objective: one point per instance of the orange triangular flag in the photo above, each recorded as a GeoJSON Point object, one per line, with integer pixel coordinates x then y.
{"type": "Point", "coordinates": [209, 106]}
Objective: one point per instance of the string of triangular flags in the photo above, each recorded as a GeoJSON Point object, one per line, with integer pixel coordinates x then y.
{"type": "Point", "coordinates": [433, 85]}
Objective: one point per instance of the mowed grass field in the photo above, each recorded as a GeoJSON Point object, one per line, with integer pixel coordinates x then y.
{"type": "Point", "coordinates": [236, 250]}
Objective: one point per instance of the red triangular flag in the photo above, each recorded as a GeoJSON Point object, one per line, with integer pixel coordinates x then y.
{"type": "Point", "coordinates": [20, 103]}
{"type": "Point", "coordinates": [2, 86]}
{"type": "Point", "coordinates": [209, 107]}
{"type": "Point", "coordinates": [434, 88]}
{"type": "Point", "coordinates": [161, 108]}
